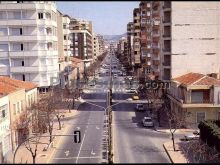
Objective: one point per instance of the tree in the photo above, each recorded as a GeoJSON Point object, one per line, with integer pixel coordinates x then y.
{"type": "Point", "coordinates": [176, 120]}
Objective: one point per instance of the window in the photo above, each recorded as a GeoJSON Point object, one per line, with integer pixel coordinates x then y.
{"type": "Point", "coordinates": [20, 31]}
{"type": "Point", "coordinates": [22, 48]}
{"type": "Point", "coordinates": [64, 26]}
{"type": "Point", "coordinates": [23, 77]}
{"type": "Point", "coordinates": [64, 37]}
{"type": "Point", "coordinates": [18, 107]}
{"type": "Point", "coordinates": [22, 63]}
{"type": "Point", "coordinates": [76, 37]}
{"type": "Point", "coordinates": [200, 116]}
{"type": "Point", "coordinates": [3, 111]}
{"type": "Point", "coordinates": [40, 15]}
{"type": "Point", "coordinates": [22, 105]}
{"type": "Point", "coordinates": [14, 105]}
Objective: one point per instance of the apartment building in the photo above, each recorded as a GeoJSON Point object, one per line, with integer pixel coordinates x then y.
{"type": "Point", "coordinates": [5, 133]}
{"type": "Point", "coordinates": [150, 37]}
{"type": "Point", "coordinates": [28, 41]}
{"type": "Point", "coordinates": [21, 95]}
{"type": "Point", "coordinates": [136, 41]}
{"type": "Point", "coordinates": [195, 96]}
{"type": "Point", "coordinates": [64, 51]}
{"type": "Point", "coordinates": [96, 49]}
{"type": "Point", "coordinates": [101, 43]}
{"type": "Point", "coordinates": [82, 40]}
{"type": "Point", "coordinates": [190, 38]}
{"type": "Point", "coordinates": [130, 37]}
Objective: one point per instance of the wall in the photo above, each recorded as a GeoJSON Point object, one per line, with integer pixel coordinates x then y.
{"type": "Point", "coordinates": [5, 134]}
{"type": "Point", "coordinates": [195, 43]}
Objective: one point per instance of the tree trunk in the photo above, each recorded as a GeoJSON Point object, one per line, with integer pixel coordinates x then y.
{"type": "Point", "coordinates": [34, 158]}
{"type": "Point", "coordinates": [174, 148]}
{"type": "Point", "coordinates": [50, 132]}
{"type": "Point", "coordinates": [58, 119]}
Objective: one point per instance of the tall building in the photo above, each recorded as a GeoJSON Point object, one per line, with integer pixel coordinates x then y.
{"type": "Point", "coordinates": [192, 44]}
{"type": "Point", "coordinates": [137, 48]}
{"type": "Point", "coordinates": [64, 52]}
{"type": "Point", "coordinates": [101, 43]}
{"type": "Point", "coordinates": [130, 37]}
{"type": "Point", "coordinates": [82, 39]}
{"type": "Point", "coordinates": [96, 46]}
{"type": "Point", "coordinates": [28, 41]}
{"type": "Point", "coordinates": [150, 37]}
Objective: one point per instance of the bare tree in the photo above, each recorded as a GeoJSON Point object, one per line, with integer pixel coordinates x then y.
{"type": "Point", "coordinates": [176, 120]}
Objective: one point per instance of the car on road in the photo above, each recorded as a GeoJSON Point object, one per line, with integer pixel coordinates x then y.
{"type": "Point", "coordinates": [115, 75]}
{"type": "Point", "coordinates": [92, 83]}
{"type": "Point", "coordinates": [140, 107]}
{"type": "Point", "coordinates": [132, 91]}
{"type": "Point", "coordinates": [135, 97]}
{"type": "Point", "coordinates": [147, 122]}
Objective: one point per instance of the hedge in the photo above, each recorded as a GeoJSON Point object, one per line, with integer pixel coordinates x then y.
{"type": "Point", "coordinates": [210, 133]}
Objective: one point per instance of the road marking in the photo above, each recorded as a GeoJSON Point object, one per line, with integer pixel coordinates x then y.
{"type": "Point", "coordinates": [92, 157]}
{"type": "Point", "coordinates": [80, 147]}
{"type": "Point", "coordinates": [67, 153]}
{"type": "Point", "coordinates": [92, 153]}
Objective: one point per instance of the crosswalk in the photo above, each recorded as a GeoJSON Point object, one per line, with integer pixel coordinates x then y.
{"type": "Point", "coordinates": [104, 90]}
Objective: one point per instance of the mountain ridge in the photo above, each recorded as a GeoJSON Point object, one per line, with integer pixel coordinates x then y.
{"type": "Point", "coordinates": [114, 37]}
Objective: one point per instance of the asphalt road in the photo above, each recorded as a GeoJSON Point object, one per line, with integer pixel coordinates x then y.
{"type": "Point", "coordinates": [90, 122]}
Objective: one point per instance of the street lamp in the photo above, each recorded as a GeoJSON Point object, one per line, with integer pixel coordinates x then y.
{"type": "Point", "coordinates": [108, 138]}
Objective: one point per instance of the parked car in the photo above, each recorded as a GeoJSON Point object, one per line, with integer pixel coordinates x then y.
{"type": "Point", "coordinates": [147, 122]}
{"type": "Point", "coordinates": [115, 76]}
{"type": "Point", "coordinates": [189, 137]}
{"type": "Point", "coordinates": [140, 107]}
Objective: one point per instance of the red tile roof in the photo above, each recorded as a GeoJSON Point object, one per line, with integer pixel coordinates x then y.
{"type": "Point", "coordinates": [6, 88]}
{"type": "Point", "coordinates": [197, 79]}
{"type": "Point", "coordinates": [14, 83]}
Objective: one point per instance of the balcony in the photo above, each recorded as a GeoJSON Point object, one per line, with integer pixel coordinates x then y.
{"type": "Point", "coordinates": [167, 6]}
{"type": "Point", "coordinates": [166, 51]}
{"type": "Point", "coordinates": [33, 53]}
{"type": "Point", "coordinates": [137, 17]}
{"type": "Point", "coordinates": [4, 54]}
{"type": "Point", "coordinates": [156, 62]}
{"type": "Point", "coordinates": [156, 13]}
{"type": "Point", "coordinates": [155, 4]}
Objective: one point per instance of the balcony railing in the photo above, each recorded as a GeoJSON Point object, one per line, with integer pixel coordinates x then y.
{"type": "Point", "coordinates": [205, 101]}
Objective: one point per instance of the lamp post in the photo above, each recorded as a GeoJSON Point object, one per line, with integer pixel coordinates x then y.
{"type": "Point", "coordinates": [107, 112]}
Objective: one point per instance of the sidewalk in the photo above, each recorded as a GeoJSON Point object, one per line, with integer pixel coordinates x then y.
{"type": "Point", "coordinates": [175, 156]}
{"type": "Point", "coordinates": [44, 152]}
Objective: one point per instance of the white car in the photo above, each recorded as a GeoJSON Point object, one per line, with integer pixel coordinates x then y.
{"type": "Point", "coordinates": [115, 75]}
{"type": "Point", "coordinates": [132, 91]}
{"type": "Point", "coordinates": [147, 122]}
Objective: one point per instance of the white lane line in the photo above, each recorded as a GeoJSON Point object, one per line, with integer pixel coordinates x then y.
{"type": "Point", "coordinates": [92, 157]}
{"type": "Point", "coordinates": [80, 148]}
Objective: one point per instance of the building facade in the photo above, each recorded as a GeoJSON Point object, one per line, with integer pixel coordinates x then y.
{"type": "Point", "coordinates": [82, 40]}
{"type": "Point", "coordinates": [195, 96]}
{"type": "Point", "coordinates": [28, 41]}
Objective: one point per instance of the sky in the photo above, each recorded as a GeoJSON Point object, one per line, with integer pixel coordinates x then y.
{"type": "Point", "coordinates": [108, 18]}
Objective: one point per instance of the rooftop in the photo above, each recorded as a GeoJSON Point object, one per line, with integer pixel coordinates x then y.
{"type": "Point", "coordinates": [196, 79]}
{"type": "Point", "coordinates": [14, 83]}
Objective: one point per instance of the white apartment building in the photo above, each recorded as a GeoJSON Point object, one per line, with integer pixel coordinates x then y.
{"type": "Point", "coordinates": [28, 41]}
{"type": "Point", "coordinates": [190, 38]}
{"type": "Point", "coordinates": [5, 133]}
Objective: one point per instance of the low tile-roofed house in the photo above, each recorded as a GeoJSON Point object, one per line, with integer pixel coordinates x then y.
{"type": "Point", "coordinates": [17, 83]}
{"type": "Point", "coordinates": [196, 79]}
